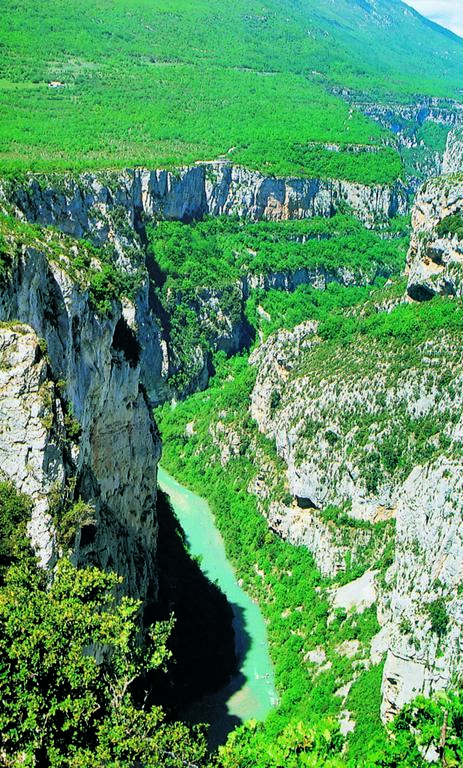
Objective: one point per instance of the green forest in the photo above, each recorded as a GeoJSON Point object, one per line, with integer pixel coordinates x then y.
{"type": "Point", "coordinates": [157, 83]}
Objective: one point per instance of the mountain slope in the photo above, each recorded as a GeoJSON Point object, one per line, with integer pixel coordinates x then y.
{"type": "Point", "coordinates": [163, 83]}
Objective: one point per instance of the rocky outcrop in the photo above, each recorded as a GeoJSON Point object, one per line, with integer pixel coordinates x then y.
{"type": "Point", "coordinates": [453, 157]}
{"type": "Point", "coordinates": [91, 204]}
{"type": "Point", "coordinates": [31, 449]}
{"type": "Point", "coordinates": [111, 209]}
{"type": "Point", "coordinates": [316, 408]}
{"type": "Point", "coordinates": [222, 321]}
{"type": "Point", "coordinates": [332, 544]}
{"type": "Point", "coordinates": [425, 648]}
{"type": "Point", "coordinates": [405, 119]}
{"type": "Point", "coordinates": [422, 159]}
{"type": "Point", "coordinates": [108, 447]}
{"type": "Point", "coordinates": [435, 258]}
{"type": "Point", "coordinates": [347, 419]}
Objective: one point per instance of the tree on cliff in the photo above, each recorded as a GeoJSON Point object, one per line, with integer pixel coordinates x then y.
{"type": "Point", "coordinates": [69, 658]}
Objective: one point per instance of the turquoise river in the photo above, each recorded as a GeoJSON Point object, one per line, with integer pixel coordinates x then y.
{"type": "Point", "coordinates": [252, 694]}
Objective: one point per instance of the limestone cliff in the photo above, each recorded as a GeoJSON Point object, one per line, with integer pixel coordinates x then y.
{"type": "Point", "coordinates": [112, 210]}
{"type": "Point", "coordinates": [425, 647]}
{"type": "Point", "coordinates": [222, 320]}
{"type": "Point", "coordinates": [350, 420]}
{"type": "Point", "coordinates": [90, 204]}
{"type": "Point", "coordinates": [422, 154]}
{"type": "Point", "coordinates": [436, 251]}
{"type": "Point", "coordinates": [31, 446]}
{"type": "Point", "coordinates": [83, 427]}
{"type": "Point", "coordinates": [453, 157]}
{"type": "Point", "coordinates": [370, 430]}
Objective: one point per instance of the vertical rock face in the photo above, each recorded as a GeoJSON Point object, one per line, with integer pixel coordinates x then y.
{"type": "Point", "coordinates": [110, 452]}
{"type": "Point", "coordinates": [333, 411]}
{"type": "Point", "coordinates": [30, 450]}
{"type": "Point", "coordinates": [113, 208]}
{"type": "Point", "coordinates": [425, 650]}
{"type": "Point", "coordinates": [94, 203]}
{"type": "Point", "coordinates": [453, 157]}
{"type": "Point", "coordinates": [435, 259]}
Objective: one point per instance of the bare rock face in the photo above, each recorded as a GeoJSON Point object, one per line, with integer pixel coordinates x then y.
{"type": "Point", "coordinates": [435, 258]}
{"type": "Point", "coordinates": [333, 410]}
{"type": "Point", "coordinates": [30, 450]}
{"type": "Point", "coordinates": [425, 648]}
{"type": "Point", "coordinates": [109, 446]}
{"type": "Point", "coordinates": [329, 543]}
{"type": "Point", "coordinates": [114, 207]}
{"type": "Point", "coordinates": [346, 421]}
{"type": "Point", "coordinates": [94, 203]}
{"type": "Point", "coordinates": [453, 157]}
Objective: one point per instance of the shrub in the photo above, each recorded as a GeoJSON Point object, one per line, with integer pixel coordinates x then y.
{"type": "Point", "coordinates": [439, 617]}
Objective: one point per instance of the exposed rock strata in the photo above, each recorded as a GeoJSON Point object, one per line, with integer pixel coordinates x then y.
{"type": "Point", "coordinates": [453, 157]}
{"type": "Point", "coordinates": [85, 205]}
{"type": "Point", "coordinates": [331, 418]}
{"type": "Point", "coordinates": [406, 121]}
{"type": "Point", "coordinates": [435, 259]}
{"type": "Point", "coordinates": [113, 462]}
{"type": "Point", "coordinates": [222, 315]}
{"type": "Point", "coordinates": [113, 208]}
{"type": "Point", "coordinates": [426, 655]}
{"type": "Point", "coordinates": [30, 449]}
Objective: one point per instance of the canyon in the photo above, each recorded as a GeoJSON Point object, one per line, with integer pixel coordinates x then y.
{"type": "Point", "coordinates": [78, 385]}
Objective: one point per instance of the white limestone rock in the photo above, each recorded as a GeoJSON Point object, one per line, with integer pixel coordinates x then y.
{"type": "Point", "coordinates": [453, 156]}
{"type": "Point", "coordinates": [357, 595]}
{"type": "Point", "coordinates": [429, 570]}
{"type": "Point", "coordinates": [435, 262]}
{"type": "Point", "coordinates": [114, 460]}
{"type": "Point", "coordinates": [30, 452]}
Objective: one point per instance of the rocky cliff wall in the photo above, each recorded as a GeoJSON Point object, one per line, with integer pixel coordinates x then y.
{"type": "Point", "coordinates": [95, 440]}
{"type": "Point", "coordinates": [453, 157]}
{"type": "Point", "coordinates": [223, 324]}
{"type": "Point", "coordinates": [372, 431]}
{"type": "Point", "coordinates": [436, 250]}
{"type": "Point", "coordinates": [31, 446]}
{"type": "Point", "coordinates": [112, 209]}
{"type": "Point", "coordinates": [86, 205]}
{"type": "Point", "coordinates": [422, 155]}
{"type": "Point", "coordinates": [435, 259]}
{"type": "Point", "coordinates": [426, 609]}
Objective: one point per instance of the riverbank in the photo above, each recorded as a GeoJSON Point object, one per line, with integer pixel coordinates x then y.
{"type": "Point", "coordinates": [251, 694]}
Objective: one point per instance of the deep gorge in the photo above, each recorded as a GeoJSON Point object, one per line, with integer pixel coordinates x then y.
{"type": "Point", "coordinates": [313, 503]}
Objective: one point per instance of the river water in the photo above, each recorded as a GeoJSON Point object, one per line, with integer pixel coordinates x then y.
{"type": "Point", "coordinates": [252, 694]}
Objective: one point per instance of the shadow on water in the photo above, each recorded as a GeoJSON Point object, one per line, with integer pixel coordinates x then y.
{"type": "Point", "coordinates": [223, 673]}
{"type": "Point", "coordinates": [204, 663]}
{"type": "Point", "coordinates": [213, 708]}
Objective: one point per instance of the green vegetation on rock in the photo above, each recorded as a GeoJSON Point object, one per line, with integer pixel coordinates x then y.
{"type": "Point", "coordinates": [95, 270]}
{"type": "Point", "coordinates": [292, 594]}
{"type": "Point", "coordinates": [15, 510]}
{"type": "Point", "coordinates": [247, 269]}
{"type": "Point", "coordinates": [217, 251]}
{"type": "Point", "coordinates": [451, 226]}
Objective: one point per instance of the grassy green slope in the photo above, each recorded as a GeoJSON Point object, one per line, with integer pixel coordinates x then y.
{"type": "Point", "coordinates": [161, 82]}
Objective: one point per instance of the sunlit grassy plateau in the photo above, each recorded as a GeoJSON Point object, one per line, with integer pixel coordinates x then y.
{"type": "Point", "coordinates": [163, 83]}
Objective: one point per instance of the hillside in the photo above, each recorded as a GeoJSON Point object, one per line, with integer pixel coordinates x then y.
{"type": "Point", "coordinates": [162, 84]}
